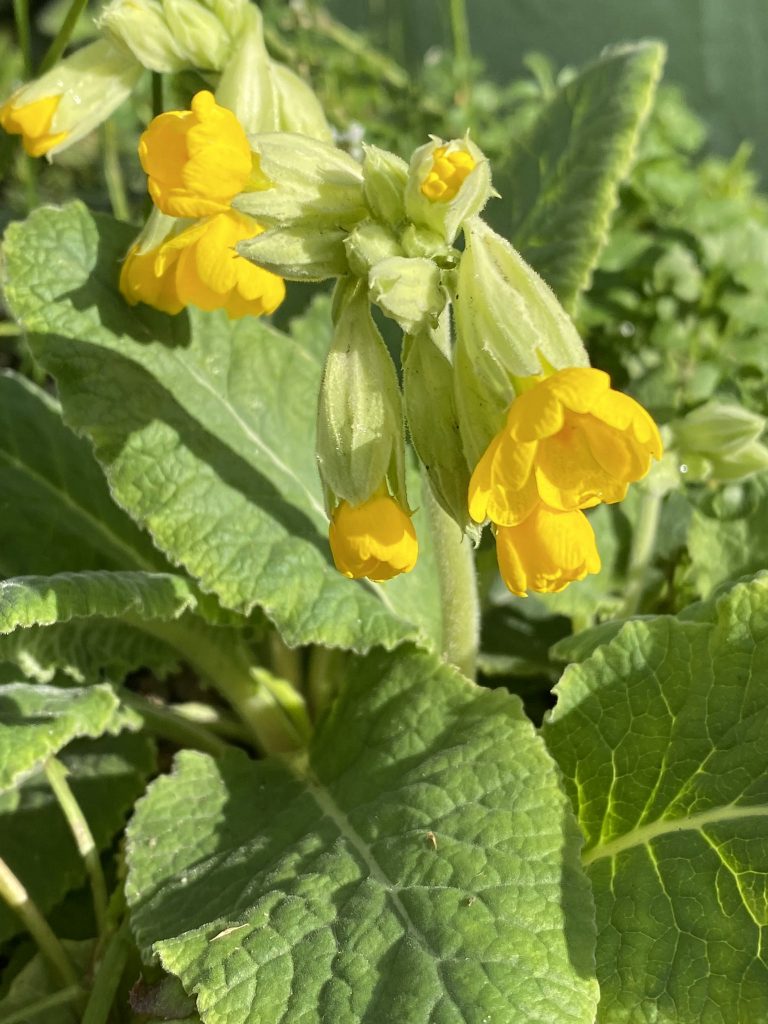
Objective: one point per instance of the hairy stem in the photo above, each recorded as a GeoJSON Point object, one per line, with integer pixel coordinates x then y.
{"type": "Point", "coordinates": [172, 724]}
{"type": "Point", "coordinates": [108, 976]}
{"type": "Point", "coordinates": [113, 173]}
{"type": "Point", "coordinates": [641, 552]}
{"type": "Point", "coordinates": [19, 900]}
{"type": "Point", "coordinates": [21, 16]}
{"type": "Point", "coordinates": [458, 587]}
{"type": "Point", "coordinates": [462, 51]}
{"type": "Point", "coordinates": [56, 774]}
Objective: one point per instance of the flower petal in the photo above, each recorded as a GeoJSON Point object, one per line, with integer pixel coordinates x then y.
{"type": "Point", "coordinates": [569, 477]}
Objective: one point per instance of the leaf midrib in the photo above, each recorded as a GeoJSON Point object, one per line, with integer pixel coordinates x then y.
{"type": "Point", "coordinates": [668, 826]}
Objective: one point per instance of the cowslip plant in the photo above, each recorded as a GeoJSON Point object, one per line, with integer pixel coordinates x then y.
{"type": "Point", "coordinates": [239, 606]}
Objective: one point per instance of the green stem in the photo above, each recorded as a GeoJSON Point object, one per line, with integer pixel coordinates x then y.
{"type": "Point", "coordinates": [18, 899]}
{"type": "Point", "coordinates": [108, 977]}
{"type": "Point", "coordinates": [171, 724]}
{"type": "Point", "coordinates": [462, 50]}
{"type": "Point", "coordinates": [9, 330]}
{"type": "Point", "coordinates": [63, 36]}
{"type": "Point", "coordinates": [32, 1010]}
{"type": "Point", "coordinates": [286, 661]}
{"type": "Point", "coordinates": [641, 552]}
{"type": "Point", "coordinates": [157, 94]}
{"type": "Point", "coordinates": [325, 666]}
{"type": "Point", "coordinates": [113, 172]}
{"type": "Point", "coordinates": [21, 15]}
{"type": "Point", "coordinates": [458, 586]}
{"type": "Point", "coordinates": [271, 724]}
{"type": "Point", "coordinates": [56, 774]}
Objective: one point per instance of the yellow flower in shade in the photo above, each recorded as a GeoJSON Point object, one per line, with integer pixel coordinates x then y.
{"type": "Point", "coordinates": [374, 539]}
{"type": "Point", "coordinates": [569, 441]}
{"type": "Point", "coordinates": [33, 122]}
{"type": "Point", "coordinates": [546, 551]}
{"type": "Point", "coordinates": [450, 166]}
{"type": "Point", "coordinates": [197, 160]}
{"type": "Point", "coordinates": [199, 267]}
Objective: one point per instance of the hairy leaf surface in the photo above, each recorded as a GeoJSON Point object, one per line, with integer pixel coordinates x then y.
{"type": "Point", "coordinates": [205, 429]}
{"type": "Point", "coordinates": [660, 735]}
{"type": "Point", "coordinates": [564, 175]}
{"type": "Point", "coordinates": [419, 865]}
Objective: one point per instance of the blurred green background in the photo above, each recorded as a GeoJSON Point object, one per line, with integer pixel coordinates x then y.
{"type": "Point", "coordinates": [718, 49]}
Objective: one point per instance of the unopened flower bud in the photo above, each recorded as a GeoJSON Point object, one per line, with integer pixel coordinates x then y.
{"type": "Point", "coordinates": [298, 255]}
{"type": "Point", "coordinates": [246, 85]}
{"type": "Point", "coordinates": [448, 182]}
{"type": "Point", "coordinates": [298, 108]}
{"type": "Point", "coordinates": [717, 428]}
{"type": "Point", "coordinates": [408, 291]}
{"type": "Point", "coordinates": [385, 176]}
{"type": "Point", "coordinates": [200, 35]}
{"type": "Point", "coordinates": [368, 244]}
{"type": "Point", "coordinates": [418, 241]}
{"type": "Point", "coordinates": [307, 183]}
{"type": "Point", "coordinates": [430, 408]}
{"type": "Point", "coordinates": [140, 27]}
{"type": "Point", "coordinates": [70, 100]}
{"type": "Point", "coordinates": [509, 325]}
{"type": "Point", "coordinates": [360, 432]}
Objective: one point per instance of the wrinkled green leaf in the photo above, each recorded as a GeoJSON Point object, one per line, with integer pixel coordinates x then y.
{"type": "Point", "coordinates": [37, 721]}
{"type": "Point", "coordinates": [564, 173]}
{"type": "Point", "coordinates": [660, 735]}
{"type": "Point", "coordinates": [57, 513]}
{"type": "Point", "coordinates": [205, 430]}
{"type": "Point", "coordinates": [106, 776]}
{"type": "Point", "coordinates": [419, 865]}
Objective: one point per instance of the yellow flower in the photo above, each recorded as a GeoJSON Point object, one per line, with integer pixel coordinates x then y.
{"type": "Point", "coordinates": [33, 122]}
{"type": "Point", "coordinates": [374, 539]}
{"type": "Point", "coordinates": [197, 160]}
{"type": "Point", "coordinates": [200, 267]}
{"type": "Point", "coordinates": [569, 441]}
{"type": "Point", "coordinates": [546, 551]}
{"type": "Point", "coordinates": [450, 166]}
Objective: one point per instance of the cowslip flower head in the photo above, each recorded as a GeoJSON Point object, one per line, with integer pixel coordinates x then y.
{"type": "Point", "coordinates": [70, 100]}
{"type": "Point", "coordinates": [196, 160]}
{"type": "Point", "coordinates": [199, 267]}
{"type": "Point", "coordinates": [569, 441]}
{"type": "Point", "coordinates": [546, 551]}
{"type": "Point", "coordinates": [374, 539]}
{"type": "Point", "coordinates": [448, 182]}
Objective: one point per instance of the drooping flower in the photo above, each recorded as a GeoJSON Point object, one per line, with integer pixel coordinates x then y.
{"type": "Point", "coordinates": [200, 267]}
{"type": "Point", "coordinates": [78, 93]}
{"type": "Point", "coordinates": [196, 160]}
{"type": "Point", "coordinates": [546, 551]}
{"type": "Point", "coordinates": [570, 441]}
{"type": "Point", "coordinates": [375, 539]}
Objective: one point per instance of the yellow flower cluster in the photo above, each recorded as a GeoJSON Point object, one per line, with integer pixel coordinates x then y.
{"type": "Point", "coordinates": [569, 442]}
{"type": "Point", "coordinates": [449, 169]}
{"type": "Point", "coordinates": [197, 161]}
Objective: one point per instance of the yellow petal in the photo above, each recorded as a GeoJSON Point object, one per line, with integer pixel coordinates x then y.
{"type": "Point", "coordinates": [547, 551]}
{"type": "Point", "coordinates": [578, 387]}
{"type": "Point", "coordinates": [33, 122]}
{"type": "Point", "coordinates": [375, 539]}
{"type": "Point", "coordinates": [616, 452]}
{"type": "Point", "coordinates": [623, 413]}
{"type": "Point", "coordinates": [569, 477]}
{"type": "Point", "coordinates": [535, 414]}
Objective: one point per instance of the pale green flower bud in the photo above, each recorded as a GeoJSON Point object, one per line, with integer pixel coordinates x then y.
{"type": "Point", "coordinates": [199, 33]}
{"type": "Point", "coordinates": [306, 183]}
{"type": "Point", "coordinates": [298, 254]}
{"type": "Point", "coordinates": [299, 109]}
{"type": "Point", "coordinates": [246, 86]}
{"type": "Point", "coordinates": [385, 176]}
{"type": "Point", "coordinates": [77, 94]}
{"type": "Point", "coordinates": [408, 291]}
{"type": "Point", "coordinates": [418, 241]}
{"type": "Point", "coordinates": [509, 324]}
{"type": "Point", "coordinates": [140, 27]}
{"type": "Point", "coordinates": [360, 432]}
{"type": "Point", "coordinates": [738, 465]}
{"type": "Point", "coordinates": [448, 182]}
{"type": "Point", "coordinates": [717, 428]}
{"type": "Point", "coordinates": [430, 408]}
{"type": "Point", "coordinates": [368, 244]}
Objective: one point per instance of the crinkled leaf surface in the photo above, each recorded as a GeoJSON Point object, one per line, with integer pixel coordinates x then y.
{"type": "Point", "coordinates": [57, 513]}
{"type": "Point", "coordinates": [106, 775]}
{"type": "Point", "coordinates": [661, 737]}
{"type": "Point", "coordinates": [421, 864]}
{"type": "Point", "coordinates": [205, 429]}
{"type": "Point", "coordinates": [37, 721]}
{"type": "Point", "coordinates": [563, 176]}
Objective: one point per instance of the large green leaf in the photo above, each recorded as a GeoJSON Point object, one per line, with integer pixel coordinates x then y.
{"type": "Point", "coordinates": [106, 776]}
{"type": "Point", "coordinates": [563, 176]}
{"type": "Point", "coordinates": [57, 513]}
{"type": "Point", "coordinates": [37, 721]}
{"type": "Point", "coordinates": [660, 735]}
{"type": "Point", "coordinates": [205, 430]}
{"type": "Point", "coordinates": [420, 864]}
